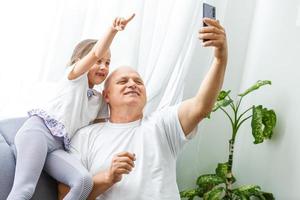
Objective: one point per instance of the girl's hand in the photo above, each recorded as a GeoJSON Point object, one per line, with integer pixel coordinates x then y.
{"type": "Point", "coordinates": [120, 23]}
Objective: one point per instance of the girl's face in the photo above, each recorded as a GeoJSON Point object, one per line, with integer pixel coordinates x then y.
{"type": "Point", "coordinates": [99, 71]}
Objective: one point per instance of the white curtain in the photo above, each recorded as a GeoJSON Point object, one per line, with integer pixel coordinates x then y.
{"type": "Point", "coordinates": [39, 38]}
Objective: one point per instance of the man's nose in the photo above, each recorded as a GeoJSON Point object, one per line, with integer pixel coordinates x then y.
{"type": "Point", "coordinates": [131, 84]}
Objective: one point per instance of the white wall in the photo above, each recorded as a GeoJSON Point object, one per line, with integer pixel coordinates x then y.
{"type": "Point", "coordinates": [264, 43]}
{"type": "Point", "coordinates": [274, 50]}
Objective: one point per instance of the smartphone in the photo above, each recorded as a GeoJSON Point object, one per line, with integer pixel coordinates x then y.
{"type": "Point", "coordinates": [209, 11]}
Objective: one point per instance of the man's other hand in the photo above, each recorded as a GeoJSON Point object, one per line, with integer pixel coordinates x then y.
{"type": "Point", "coordinates": [122, 163]}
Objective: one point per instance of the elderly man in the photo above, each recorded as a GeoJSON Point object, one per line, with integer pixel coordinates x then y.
{"type": "Point", "coordinates": [133, 156]}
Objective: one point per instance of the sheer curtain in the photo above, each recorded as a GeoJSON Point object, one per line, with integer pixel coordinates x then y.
{"type": "Point", "coordinates": [39, 38]}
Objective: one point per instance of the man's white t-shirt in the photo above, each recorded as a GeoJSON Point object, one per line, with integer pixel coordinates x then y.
{"type": "Point", "coordinates": [156, 140]}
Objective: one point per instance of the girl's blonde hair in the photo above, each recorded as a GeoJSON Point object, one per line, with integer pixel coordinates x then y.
{"type": "Point", "coordinates": [82, 49]}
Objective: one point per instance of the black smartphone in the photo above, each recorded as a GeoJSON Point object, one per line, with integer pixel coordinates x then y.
{"type": "Point", "coordinates": [209, 11]}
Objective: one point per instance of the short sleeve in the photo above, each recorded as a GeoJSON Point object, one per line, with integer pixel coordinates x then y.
{"type": "Point", "coordinates": [69, 69]}
{"type": "Point", "coordinates": [169, 120]}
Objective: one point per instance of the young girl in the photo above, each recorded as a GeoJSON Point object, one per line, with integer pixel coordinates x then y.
{"type": "Point", "coordinates": [44, 139]}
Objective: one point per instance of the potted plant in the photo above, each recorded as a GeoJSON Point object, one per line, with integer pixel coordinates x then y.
{"type": "Point", "coordinates": [218, 186]}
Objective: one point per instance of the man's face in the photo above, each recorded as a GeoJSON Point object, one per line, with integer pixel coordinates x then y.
{"type": "Point", "coordinates": [126, 87]}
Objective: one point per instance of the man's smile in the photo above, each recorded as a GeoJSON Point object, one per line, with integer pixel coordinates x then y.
{"type": "Point", "coordinates": [132, 93]}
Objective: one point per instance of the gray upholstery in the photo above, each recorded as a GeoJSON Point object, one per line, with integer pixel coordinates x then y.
{"type": "Point", "coordinates": [46, 188]}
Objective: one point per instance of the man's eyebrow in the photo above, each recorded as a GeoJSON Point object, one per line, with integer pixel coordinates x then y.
{"type": "Point", "coordinates": [139, 79]}
{"type": "Point", "coordinates": [122, 77]}
{"type": "Point", "coordinates": [127, 77]}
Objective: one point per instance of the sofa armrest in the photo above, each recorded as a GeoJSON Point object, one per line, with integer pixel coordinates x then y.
{"type": "Point", "coordinates": [9, 128]}
{"type": "Point", "coordinates": [7, 168]}
{"type": "Point", "coordinates": [46, 188]}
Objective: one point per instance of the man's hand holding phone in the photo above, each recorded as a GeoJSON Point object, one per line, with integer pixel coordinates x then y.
{"type": "Point", "coordinates": [212, 33]}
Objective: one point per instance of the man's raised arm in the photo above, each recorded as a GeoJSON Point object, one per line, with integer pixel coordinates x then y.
{"type": "Point", "coordinates": [193, 110]}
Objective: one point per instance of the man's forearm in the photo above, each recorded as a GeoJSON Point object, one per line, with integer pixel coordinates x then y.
{"type": "Point", "coordinates": [211, 86]}
{"type": "Point", "coordinates": [193, 110]}
{"type": "Point", "coordinates": [101, 184]}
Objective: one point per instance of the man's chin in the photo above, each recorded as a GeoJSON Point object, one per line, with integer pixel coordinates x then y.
{"type": "Point", "coordinates": [133, 101]}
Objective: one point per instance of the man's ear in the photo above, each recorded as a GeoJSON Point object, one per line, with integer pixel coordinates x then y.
{"type": "Point", "coordinates": [105, 95]}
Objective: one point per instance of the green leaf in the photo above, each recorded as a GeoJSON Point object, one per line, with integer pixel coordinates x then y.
{"type": "Point", "coordinates": [247, 191]}
{"type": "Point", "coordinates": [239, 196]}
{"type": "Point", "coordinates": [223, 94]}
{"type": "Point", "coordinates": [214, 194]}
{"type": "Point", "coordinates": [263, 123]}
{"type": "Point", "coordinates": [221, 103]}
{"type": "Point", "coordinates": [222, 171]}
{"type": "Point", "coordinates": [256, 86]}
{"type": "Point", "coordinates": [268, 196]}
{"type": "Point", "coordinates": [256, 124]}
{"type": "Point", "coordinates": [269, 120]}
{"type": "Point", "coordinates": [190, 194]}
{"type": "Point", "coordinates": [208, 181]}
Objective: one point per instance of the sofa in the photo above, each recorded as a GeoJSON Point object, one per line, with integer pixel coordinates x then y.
{"type": "Point", "coordinates": [46, 188]}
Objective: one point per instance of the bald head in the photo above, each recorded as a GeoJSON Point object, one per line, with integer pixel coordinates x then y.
{"type": "Point", "coordinates": [119, 70]}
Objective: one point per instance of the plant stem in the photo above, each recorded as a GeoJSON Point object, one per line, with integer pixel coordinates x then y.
{"type": "Point", "coordinates": [227, 115]}
{"type": "Point", "coordinates": [239, 103]}
{"type": "Point", "coordinates": [229, 176]}
{"type": "Point", "coordinates": [232, 104]}
{"type": "Point", "coordinates": [235, 127]}
{"type": "Point", "coordinates": [241, 115]}
{"type": "Point", "coordinates": [243, 121]}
